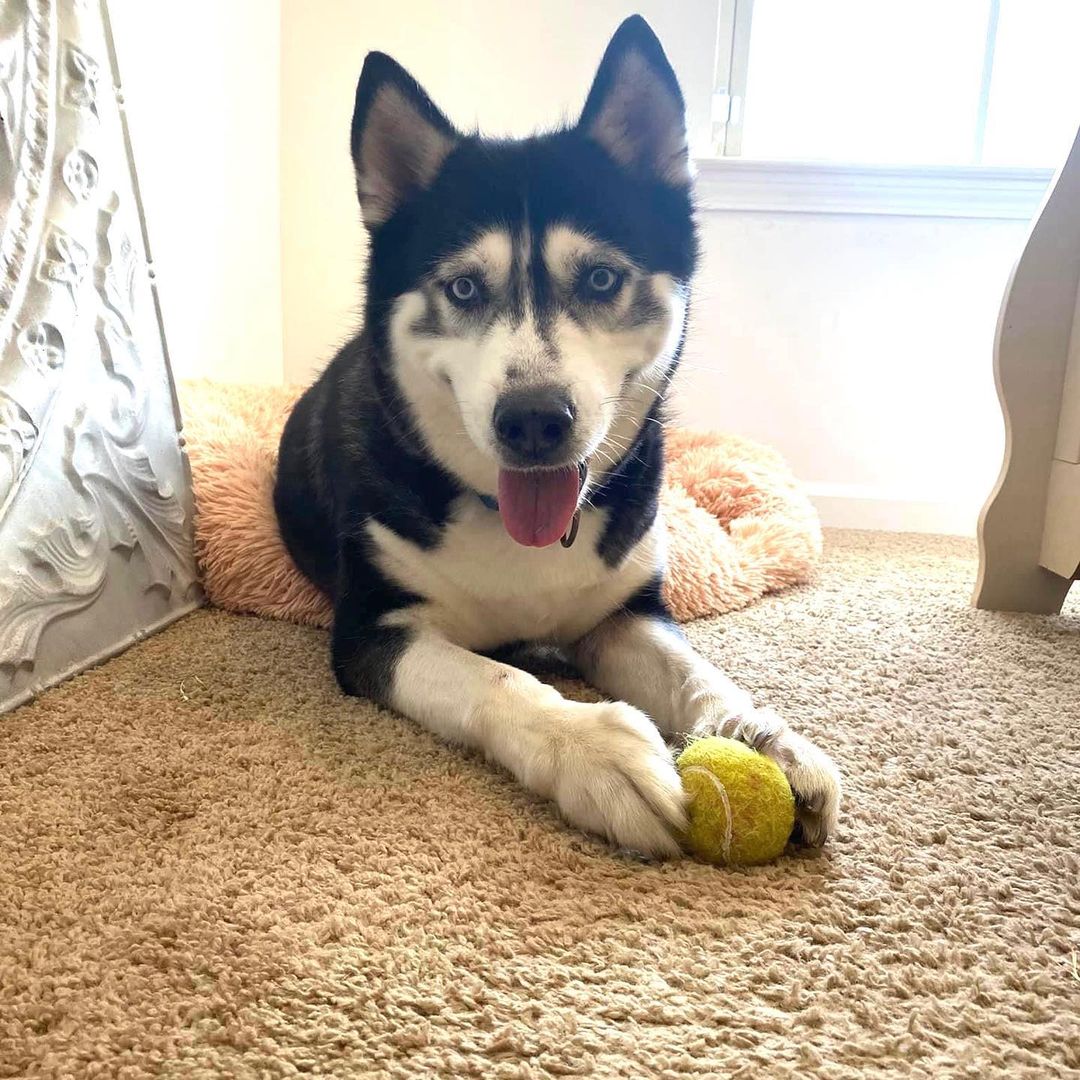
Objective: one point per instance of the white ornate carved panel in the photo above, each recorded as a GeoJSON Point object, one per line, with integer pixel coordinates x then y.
{"type": "Point", "coordinates": [95, 496]}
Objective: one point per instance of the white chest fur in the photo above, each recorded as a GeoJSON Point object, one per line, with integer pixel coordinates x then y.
{"type": "Point", "coordinates": [483, 590]}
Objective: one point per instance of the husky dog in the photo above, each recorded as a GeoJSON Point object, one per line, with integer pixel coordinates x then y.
{"type": "Point", "coordinates": [480, 466]}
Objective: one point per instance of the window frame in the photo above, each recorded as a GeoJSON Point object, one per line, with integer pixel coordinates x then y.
{"type": "Point", "coordinates": [729, 84]}
{"type": "Point", "coordinates": [729, 181]}
{"type": "Point", "coordinates": [732, 64]}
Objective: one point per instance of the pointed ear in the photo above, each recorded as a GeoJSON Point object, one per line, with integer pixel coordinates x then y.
{"type": "Point", "coordinates": [635, 108]}
{"type": "Point", "coordinates": [399, 138]}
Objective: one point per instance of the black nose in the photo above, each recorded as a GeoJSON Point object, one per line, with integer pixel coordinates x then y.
{"type": "Point", "coordinates": [534, 425]}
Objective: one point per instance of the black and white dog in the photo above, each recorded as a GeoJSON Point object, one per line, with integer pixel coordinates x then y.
{"type": "Point", "coordinates": [480, 466]}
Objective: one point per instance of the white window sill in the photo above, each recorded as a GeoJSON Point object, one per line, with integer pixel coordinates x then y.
{"type": "Point", "coordinates": [799, 187]}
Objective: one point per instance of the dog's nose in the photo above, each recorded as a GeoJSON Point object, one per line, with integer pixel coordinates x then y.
{"type": "Point", "coordinates": [534, 425]}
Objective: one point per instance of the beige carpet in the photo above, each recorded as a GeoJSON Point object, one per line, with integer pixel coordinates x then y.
{"type": "Point", "coordinates": [211, 864]}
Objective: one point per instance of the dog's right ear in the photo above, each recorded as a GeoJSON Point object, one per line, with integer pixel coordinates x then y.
{"type": "Point", "coordinates": [635, 108]}
{"type": "Point", "coordinates": [399, 138]}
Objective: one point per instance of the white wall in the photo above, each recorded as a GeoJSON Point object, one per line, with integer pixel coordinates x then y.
{"type": "Point", "coordinates": [860, 346]}
{"type": "Point", "coordinates": [202, 86]}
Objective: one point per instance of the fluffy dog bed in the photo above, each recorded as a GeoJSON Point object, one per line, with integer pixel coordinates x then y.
{"type": "Point", "coordinates": [739, 524]}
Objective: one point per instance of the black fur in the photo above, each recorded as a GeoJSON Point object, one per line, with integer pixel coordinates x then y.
{"type": "Point", "coordinates": [349, 452]}
{"type": "Point", "coordinates": [649, 603]}
{"type": "Point", "coordinates": [631, 493]}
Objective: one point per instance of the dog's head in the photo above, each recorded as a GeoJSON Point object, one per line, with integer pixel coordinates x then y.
{"type": "Point", "coordinates": [531, 295]}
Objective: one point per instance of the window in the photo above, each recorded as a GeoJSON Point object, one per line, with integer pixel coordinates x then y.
{"type": "Point", "coordinates": [907, 82]}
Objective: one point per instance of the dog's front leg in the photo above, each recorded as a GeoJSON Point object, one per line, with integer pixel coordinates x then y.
{"type": "Point", "coordinates": [646, 660]}
{"type": "Point", "coordinates": [604, 765]}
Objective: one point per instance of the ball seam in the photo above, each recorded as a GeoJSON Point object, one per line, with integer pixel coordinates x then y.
{"type": "Point", "coordinates": [722, 792]}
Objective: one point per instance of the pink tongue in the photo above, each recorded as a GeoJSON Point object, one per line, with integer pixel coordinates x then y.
{"type": "Point", "coordinates": [536, 507]}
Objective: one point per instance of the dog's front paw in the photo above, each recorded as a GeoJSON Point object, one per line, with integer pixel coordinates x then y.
{"type": "Point", "coordinates": [812, 774]}
{"type": "Point", "coordinates": [613, 775]}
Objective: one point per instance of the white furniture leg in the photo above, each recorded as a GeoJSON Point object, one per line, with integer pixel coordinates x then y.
{"type": "Point", "coordinates": [1061, 536]}
{"type": "Point", "coordinates": [1029, 531]}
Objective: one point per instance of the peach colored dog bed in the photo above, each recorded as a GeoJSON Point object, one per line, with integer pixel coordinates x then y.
{"type": "Point", "coordinates": [739, 525]}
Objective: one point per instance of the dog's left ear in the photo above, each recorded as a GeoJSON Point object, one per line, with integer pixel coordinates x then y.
{"type": "Point", "coordinates": [635, 108]}
{"type": "Point", "coordinates": [399, 139]}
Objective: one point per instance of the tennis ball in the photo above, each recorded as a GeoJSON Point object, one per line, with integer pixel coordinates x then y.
{"type": "Point", "coordinates": [741, 809]}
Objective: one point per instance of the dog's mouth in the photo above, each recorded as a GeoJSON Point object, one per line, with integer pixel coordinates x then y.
{"type": "Point", "coordinates": [540, 506]}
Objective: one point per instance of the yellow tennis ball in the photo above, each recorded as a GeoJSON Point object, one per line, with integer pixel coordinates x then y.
{"type": "Point", "coordinates": [741, 808]}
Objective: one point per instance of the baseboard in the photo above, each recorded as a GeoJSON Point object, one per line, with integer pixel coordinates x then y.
{"type": "Point", "coordinates": [853, 506]}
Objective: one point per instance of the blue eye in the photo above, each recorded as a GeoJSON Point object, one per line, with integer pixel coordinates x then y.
{"type": "Point", "coordinates": [602, 282]}
{"type": "Point", "coordinates": [463, 290]}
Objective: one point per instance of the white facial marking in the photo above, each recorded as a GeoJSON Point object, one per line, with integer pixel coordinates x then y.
{"type": "Point", "coordinates": [490, 255]}
{"type": "Point", "coordinates": [522, 257]}
{"type": "Point", "coordinates": [610, 358]}
{"type": "Point", "coordinates": [566, 251]}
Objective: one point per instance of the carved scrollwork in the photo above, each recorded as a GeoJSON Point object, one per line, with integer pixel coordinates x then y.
{"type": "Point", "coordinates": [80, 173]}
{"type": "Point", "coordinates": [64, 261]}
{"type": "Point", "coordinates": [17, 435]}
{"type": "Point", "coordinates": [119, 505]}
{"type": "Point", "coordinates": [42, 347]}
{"type": "Point", "coordinates": [81, 73]}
